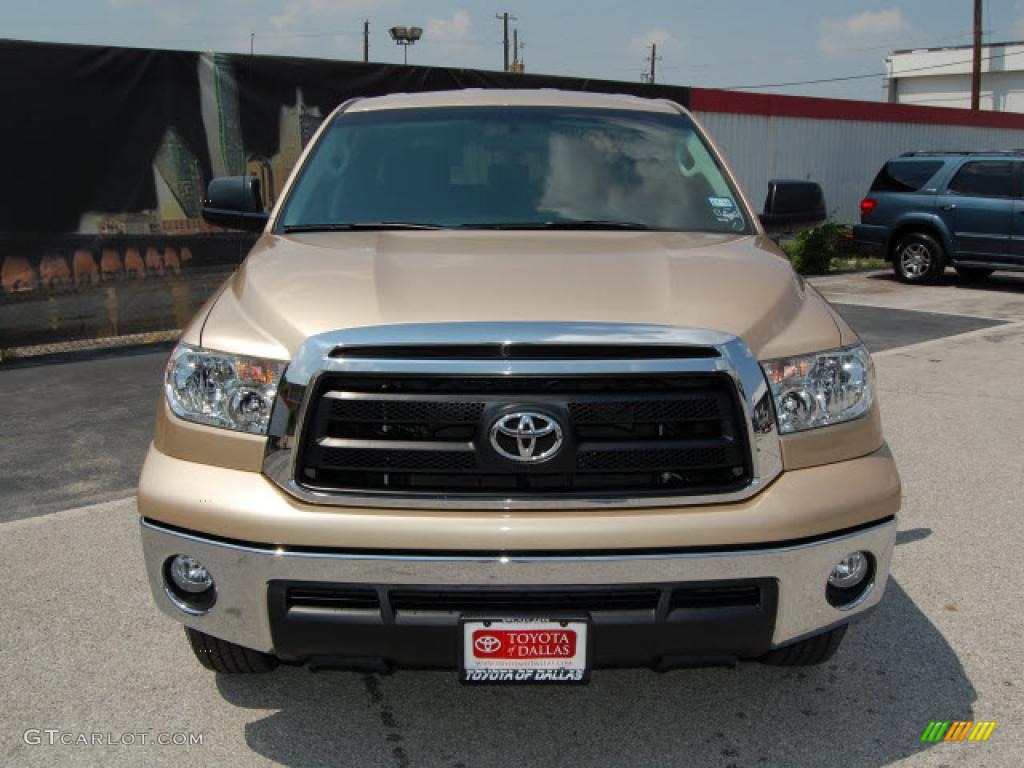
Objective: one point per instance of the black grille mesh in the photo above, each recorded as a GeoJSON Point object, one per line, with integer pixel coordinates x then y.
{"type": "Point", "coordinates": [663, 598]}
{"type": "Point", "coordinates": [546, 600]}
{"type": "Point", "coordinates": [625, 411]}
{"type": "Point", "coordinates": [658, 435]}
{"type": "Point", "coordinates": [409, 461]}
{"type": "Point", "coordinates": [634, 460]}
{"type": "Point", "coordinates": [406, 411]}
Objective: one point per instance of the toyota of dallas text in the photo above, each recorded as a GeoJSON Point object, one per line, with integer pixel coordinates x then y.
{"type": "Point", "coordinates": [516, 384]}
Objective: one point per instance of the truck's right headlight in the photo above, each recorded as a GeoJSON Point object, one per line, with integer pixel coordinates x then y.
{"type": "Point", "coordinates": [821, 389]}
{"type": "Point", "coordinates": [220, 389]}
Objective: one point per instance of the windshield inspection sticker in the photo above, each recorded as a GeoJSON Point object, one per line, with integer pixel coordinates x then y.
{"type": "Point", "coordinates": [725, 210]}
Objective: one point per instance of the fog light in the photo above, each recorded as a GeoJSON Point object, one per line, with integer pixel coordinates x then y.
{"type": "Point", "coordinates": [189, 575]}
{"type": "Point", "coordinates": [850, 581]}
{"type": "Point", "coordinates": [850, 571]}
{"type": "Point", "coordinates": [188, 585]}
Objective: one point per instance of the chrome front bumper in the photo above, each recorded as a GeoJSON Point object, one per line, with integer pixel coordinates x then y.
{"type": "Point", "coordinates": [242, 574]}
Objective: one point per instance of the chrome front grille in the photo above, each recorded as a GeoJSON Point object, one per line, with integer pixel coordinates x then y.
{"type": "Point", "coordinates": [643, 416]}
{"type": "Point", "coordinates": [634, 434]}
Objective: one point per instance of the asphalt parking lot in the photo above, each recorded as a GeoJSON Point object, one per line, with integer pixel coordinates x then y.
{"type": "Point", "coordinates": [85, 651]}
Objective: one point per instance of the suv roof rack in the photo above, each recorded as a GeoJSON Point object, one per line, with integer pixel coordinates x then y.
{"type": "Point", "coordinates": [922, 152]}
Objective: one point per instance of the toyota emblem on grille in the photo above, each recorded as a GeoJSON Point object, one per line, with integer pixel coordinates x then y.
{"type": "Point", "coordinates": [526, 437]}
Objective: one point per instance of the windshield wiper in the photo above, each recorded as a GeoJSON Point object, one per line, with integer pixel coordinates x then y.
{"type": "Point", "coordinates": [356, 226]}
{"type": "Point", "coordinates": [582, 224]}
{"type": "Point", "coordinates": [571, 224]}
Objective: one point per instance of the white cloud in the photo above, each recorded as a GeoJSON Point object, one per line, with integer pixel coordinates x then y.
{"type": "Point", "coordinates": [857, 32]}
{"type": "Point", "coordinates": [297, 13]}
{"type": "Point", "coordinates": [453, 30]}
{"type": "Point", "coordinates": [660, 37]}
{"type": "Point", "coordinates": [171, 16]}
{"type": "Point", "coordinates": [179, 14]}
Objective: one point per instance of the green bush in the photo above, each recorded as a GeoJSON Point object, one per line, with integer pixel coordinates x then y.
{"type": "Point", "coordinates": [813, 250]}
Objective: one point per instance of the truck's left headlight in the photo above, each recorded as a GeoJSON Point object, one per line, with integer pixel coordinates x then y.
{"type": "Point", "coordinates": [220, 389]}
{"type": "Point", "coordinates": [821, 389]}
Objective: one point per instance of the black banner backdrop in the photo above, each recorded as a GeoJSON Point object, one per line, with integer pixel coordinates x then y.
{"type": "Point", "coordinates": [109, 150]}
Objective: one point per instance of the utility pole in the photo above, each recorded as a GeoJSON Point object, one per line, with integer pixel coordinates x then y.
{"type": "Point", "coordinates": [252, 43]}
{"type": "Point", "coordinates": [505, 18]}
{"type": "Point", "coordinates": [518, 65]}
{"type": "Point", "coordinates": [366, 40]}
{"type": "Point", "coordinates": [648, 76]}
{"type": "Point", "coordinates": [976, 70]}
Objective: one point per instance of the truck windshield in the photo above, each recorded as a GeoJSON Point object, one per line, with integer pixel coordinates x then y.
{"type": "Point", "coordinates": [512, 168]}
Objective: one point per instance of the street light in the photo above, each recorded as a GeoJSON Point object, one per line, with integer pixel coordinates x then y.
{"type": "Point", "coordinates": [405, 36]}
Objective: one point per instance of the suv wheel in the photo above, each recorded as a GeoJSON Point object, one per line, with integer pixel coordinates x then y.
{"type": "Point", "coordinates": [973, 274]}
{"type": "Point", "coordinates": [222, 656]}
{"type": "Point", "coordinates": [814, 650]}
{"type": "Point", "coordinates": [918, 259]}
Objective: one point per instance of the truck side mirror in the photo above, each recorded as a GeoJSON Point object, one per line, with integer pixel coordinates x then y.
{"type": "Point", "coordinates": [792, 206]}
{"type": "Point", "coordinates": [235, 202]}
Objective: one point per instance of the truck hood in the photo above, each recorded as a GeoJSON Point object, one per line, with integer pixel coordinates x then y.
{"type": "Point", "coordinates": [292, 287]}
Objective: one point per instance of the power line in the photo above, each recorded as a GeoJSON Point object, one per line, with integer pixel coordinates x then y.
{"type": "Point", "coordinates": [864, 76]}
{"type": "Point", "coordinates": [817, 58]}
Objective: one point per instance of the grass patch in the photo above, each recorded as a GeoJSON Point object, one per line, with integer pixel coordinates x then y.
{"type": "Point", "coordinates": [825, 249]}
{"type": "Point", "coordinates": [858, 263]}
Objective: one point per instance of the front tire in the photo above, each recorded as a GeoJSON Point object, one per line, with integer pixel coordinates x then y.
{"type": "Point", "coordinates": [221, 656]}
{"type": "Point", "coordinates": [806, 653]}
{"type": "Point", "coordinates": [918, 259]}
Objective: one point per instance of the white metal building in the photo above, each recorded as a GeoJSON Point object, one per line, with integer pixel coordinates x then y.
{"type": "Point", "coordinates": [941, 77]}
{"type": "Point", "coordinates": [840, 144]}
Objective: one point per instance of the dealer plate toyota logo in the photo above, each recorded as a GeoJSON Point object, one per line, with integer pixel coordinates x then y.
{"type": "Point", "coordinates": [526, 437]}
{"type": "Point", "coordinates": [487, 644]}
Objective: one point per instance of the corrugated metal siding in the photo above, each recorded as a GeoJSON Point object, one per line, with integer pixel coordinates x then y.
{"type": "Point", "coordinates": [842, 155]}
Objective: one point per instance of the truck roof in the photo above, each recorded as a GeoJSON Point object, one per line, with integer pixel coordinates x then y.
{"type": "Point", "coordinates": [497, 97]}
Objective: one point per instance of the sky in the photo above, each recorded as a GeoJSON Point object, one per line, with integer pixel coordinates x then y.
{"type": "Point", "coordinates": [708, 43]}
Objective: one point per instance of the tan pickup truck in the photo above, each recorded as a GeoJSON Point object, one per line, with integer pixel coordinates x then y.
{"type": "Point", "coordinates": [516, 383]}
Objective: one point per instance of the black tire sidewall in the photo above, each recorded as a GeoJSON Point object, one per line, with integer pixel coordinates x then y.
{"type": "Point", "coordinates": [226, 657]}
{"type": "Point", "coordinates": [938, 265]}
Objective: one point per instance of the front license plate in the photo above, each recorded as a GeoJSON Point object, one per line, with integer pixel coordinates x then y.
{"type": "Point", "coordinates": [524, 650]}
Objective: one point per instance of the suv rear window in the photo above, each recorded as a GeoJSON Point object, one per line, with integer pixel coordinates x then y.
{"type": "Point", "coordinates": [905, 175]}
{"type": "Point", "coordinates": [985, 178]}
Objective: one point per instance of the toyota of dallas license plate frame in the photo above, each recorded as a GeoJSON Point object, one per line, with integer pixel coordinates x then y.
{"type": "Point", "coordinates": [519, 651]}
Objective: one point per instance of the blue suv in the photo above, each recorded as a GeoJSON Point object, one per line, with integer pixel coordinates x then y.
{"type": "Point", "coordinates": [927, 210]}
